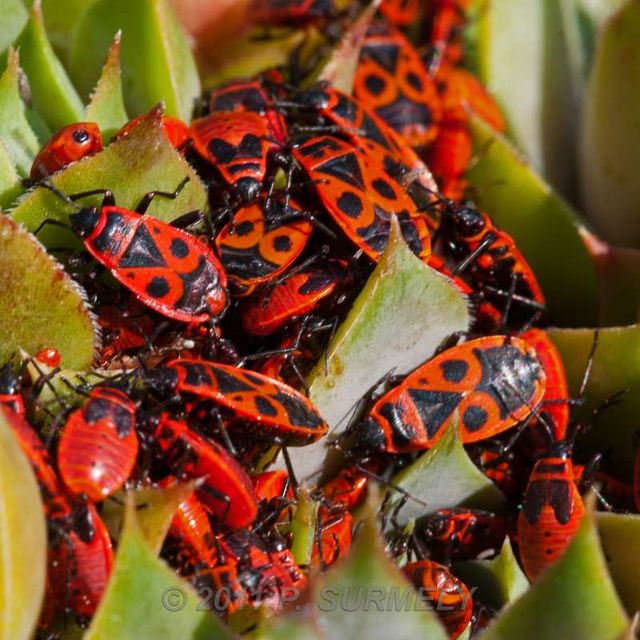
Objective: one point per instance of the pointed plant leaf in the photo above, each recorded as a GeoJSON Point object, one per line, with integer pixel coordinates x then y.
{"type": "Point", "coordinates": [610, 145]}
{"type": "Point", "coordinates": [23, 538]}
{"type": "Point", "coordinates": [107, 104]}
{"type": "Point", "coordinates": [53, 95]}
{"type": "Point", "coordinates": [41, 305]}
{"type": "Point", "coordinates": [340, 68]}
{"type": "Point", "coordinates": [620, 538]}
{"type": "Point", "coordinates": [440, 478]}
{"type": "Point", "coordinates": [616, 368]}
{"type": "Point", "coordinates": [155, 508]}
{"type": "Point", "coordinates": [574, 598]}
{"type": "Point", "coordinates": [365, 597]}
{"type": "Point", "coordinates": [61, 17]}
{"type": "Point", "coordinates": [143, 161]}
{"type": "Point", "coordinates": [10, 185]}
{"type": "Point", "coordinates": [15, 131]}
{"type": "Point", "coordinates": [249, 56]}
{"type": "Point", "coordinates": [499, 581]}
{"type": "Point", "coordinates": [544, 226]}
{"type": "Point", "coordinates": [145, 594]}
{"type": "Point", "coordinates": [157, 64]}
{"type": "Point", "coordinates": [14, 17]}
{"type": "Point", "coordinates": [404, 311]}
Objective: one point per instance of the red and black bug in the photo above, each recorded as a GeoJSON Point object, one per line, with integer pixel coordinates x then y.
{"type": "Point", "coordinates": [333, 541]}
{"type": "Point", "coordinates": [552, 511]}
{"type": "Point", "coordinates": [273, 485]}
{"type": "Point", "coordinates": [555, 403]}
{"type": "Point", "coordinates": [392, 80]}
{"type": "Point", "coordinates": [191, 530]}
{"type": "Point", "coordinates": [253, 252]}
{"type": "Point", "coordinates": [70, 144]}
{"type": "Point", "coordinates": [261, 406]}
{"type": "Point", "coordinates": [296, 296]}
{"type": "Point", "coordinates": [80, 551]}
{"type": "Point", "coordinates": [99, 445]}
{"type": "Point", "coordinates": [10, 386]}
{"type": "Point", "coordinates": [237, 144]}
{"type": "Point", "coordinates": [258, 95]}
{"type": "Point", "coordinates": [80, 562]}
{"type": "Point", "coordinates": [450, 597]}
{"type": "Point", "coordinates": [491, 261]}
{"type": "Point", "coordinates": [401, 13]}
{"type": "Point", "coordinates": [363, 128]}
{"type": "Point", "coordinates": [175, 130]}
{"type": "Point", "coordinates": [462, 532]}
{"type": "Point", "coordinates": [226, 491]}
{"type": "Point", "coordinates": [446, 20]}
{"type": "Point", "coordinates": [361, 197]}
{"type": "Point", "coordinates": [347, 489]}
{"type": "Point", "coordinates": [266, 568]}
{"type": "Point", "coordinates": [493, 383]}
{"type": "Point", "coordinates": [167, 269]}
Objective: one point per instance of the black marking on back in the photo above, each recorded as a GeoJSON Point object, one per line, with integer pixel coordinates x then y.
{"type": "Point", "coordinates": [264, 407]}
{"type": "Point", "coordinates": [454, 370]}
{"type": "Point", "coordinates": [142, 251]}
{"type": "Point", "coordinates": [195, 374]}
{"type": "Point", "coordinates": [349, 204]}
{"type": "Point", "coordinates": [345, 168]}
{"type": "Point", "coordinates": [434, 407]}
{"type": "Point", "coordinates": [386, 55]}
{"type": "Point", "coordinates": [229, 383]}
{"type": "Point", "coordinates": [556, 493]}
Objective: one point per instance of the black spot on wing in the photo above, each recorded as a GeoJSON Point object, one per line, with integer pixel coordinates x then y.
{"type": "Point", "coordinates": [158, 287]}
{"type": "Point", "coordinates": [454, 370]}
{"type": "Point", "coordinates": [350, 204]}
{"type": "Point", "coordinates": [386, 55]}
{"type": "Point", "coordinates": [264, 407]}
{"type": "Point", "coordinates": [179, 248]}
{"type": "Point", "coordinates": [228, 383]}
{"type": "Point", "coordinates": [474, 418]}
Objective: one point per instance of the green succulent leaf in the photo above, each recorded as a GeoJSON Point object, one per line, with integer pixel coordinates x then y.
{"type": "Point", "coordinates": [610, 145]}
{"type": "Point", "coordinates": [10, 185]}
{"type": "Point", "coordinates": [249, 56]}
{"type": "Point", "coordinates": [15, 131]}
{"type": "Point", "coordinates": [360, 597]}
{"type": "Point", "coordinates": [544, 226]}
{"type": "Point", "coordinates": [303, 527]}
{"type": "Point", "coordinates": [440, 478]}
{"type": "Point", "coordinates": [620, 538]}
{"type": "Point", "coordinates": [144, 593]}
{"type": "Point", "coordinates": [143, 161]}
{"type": "Point", "coordinates": [524, 55]}
{"type": "Point", "coordinates": [107, 104]}
{"type": "Point", "coordinates": [42, 306]}
{"type": "Point", "coordinates": [61, 18]}
{"type": "Point", "coordinates": [53, 95]}
{"type": "Point", "coordinates": [23, 538]}
{"type": "Point", "coordinates": [405, 310]}
{"type": "Point", "coordinates": [14, 17]}
{"type": "Point", "coordinates": [618, 271]}
{"type": "Point", "coordinates": [574, 598]}
{"type": "Point", "coordinates": [157, 64]}
{"type": "Point", "coordinates": [615, 369]}
{"type": "Point", "coordinates": [287, 627]}
{"type": "Point", "coordinates": [500, 580]}
{"type": "Point", "coordinates": [155, 508]}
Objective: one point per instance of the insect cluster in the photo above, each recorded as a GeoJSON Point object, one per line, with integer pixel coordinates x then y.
{"type": "Point", "coordinates": [211, 323]}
